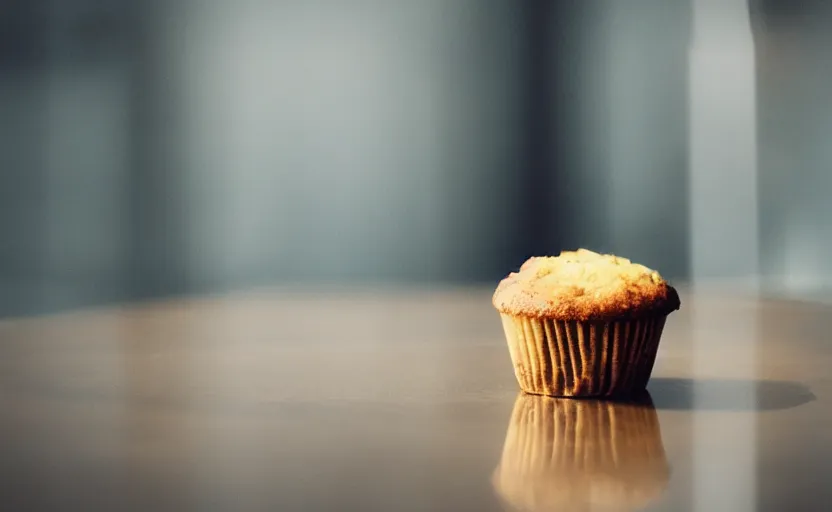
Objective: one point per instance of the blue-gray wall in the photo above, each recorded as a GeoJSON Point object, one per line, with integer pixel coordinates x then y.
{"type": "Point", "coordinates": [173, 147]}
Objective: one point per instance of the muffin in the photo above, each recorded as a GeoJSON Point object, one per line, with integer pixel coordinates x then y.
{"type": "Point", "coordinates": [562, 454]}
{"type": "Point", "coordinates": [583, 324]}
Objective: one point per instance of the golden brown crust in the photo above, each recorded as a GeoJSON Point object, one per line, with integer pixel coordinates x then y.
{"type": "Point", "coordinates": [583, 285]}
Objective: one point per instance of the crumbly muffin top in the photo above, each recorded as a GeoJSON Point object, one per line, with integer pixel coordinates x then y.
{"type": "Point", "coordinates": [584, 285]}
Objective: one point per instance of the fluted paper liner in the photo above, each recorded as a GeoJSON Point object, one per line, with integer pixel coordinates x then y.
{"type": "Point", "coordinates": [581, 455]}
{"type": "Point", "coordinates": [582, 359]}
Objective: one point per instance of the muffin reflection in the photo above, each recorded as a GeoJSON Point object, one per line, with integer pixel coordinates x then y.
{"type": "Point", "coordinates": [587, 455]}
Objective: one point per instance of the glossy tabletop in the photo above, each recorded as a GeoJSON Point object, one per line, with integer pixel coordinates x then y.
{"type": "Point", "coordinates": [403, 400]}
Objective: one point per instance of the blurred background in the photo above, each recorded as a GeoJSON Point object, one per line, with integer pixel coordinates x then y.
{"type": "Point", "coordinates": [160, 148]}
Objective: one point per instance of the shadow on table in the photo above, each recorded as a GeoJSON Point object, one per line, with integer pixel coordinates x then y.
{"type": "Point", "coordinates": [727, 395]}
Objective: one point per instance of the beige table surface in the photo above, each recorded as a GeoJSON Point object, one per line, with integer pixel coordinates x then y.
{"type": "Point", "coordinates": [396, 400]}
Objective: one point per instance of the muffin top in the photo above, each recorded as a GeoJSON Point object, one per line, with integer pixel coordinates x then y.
{"type": "Point", "coordinates": [584, 285]}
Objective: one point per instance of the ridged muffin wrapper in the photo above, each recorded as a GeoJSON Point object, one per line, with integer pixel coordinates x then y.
{"type": "Point", "coordinates": [582, 454]}
{"type": "Point", "coordinates": [567, 358]}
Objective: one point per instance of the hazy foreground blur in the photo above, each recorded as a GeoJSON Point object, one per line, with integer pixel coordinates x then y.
{"type": "Point", "coordinates": [155, 148]}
